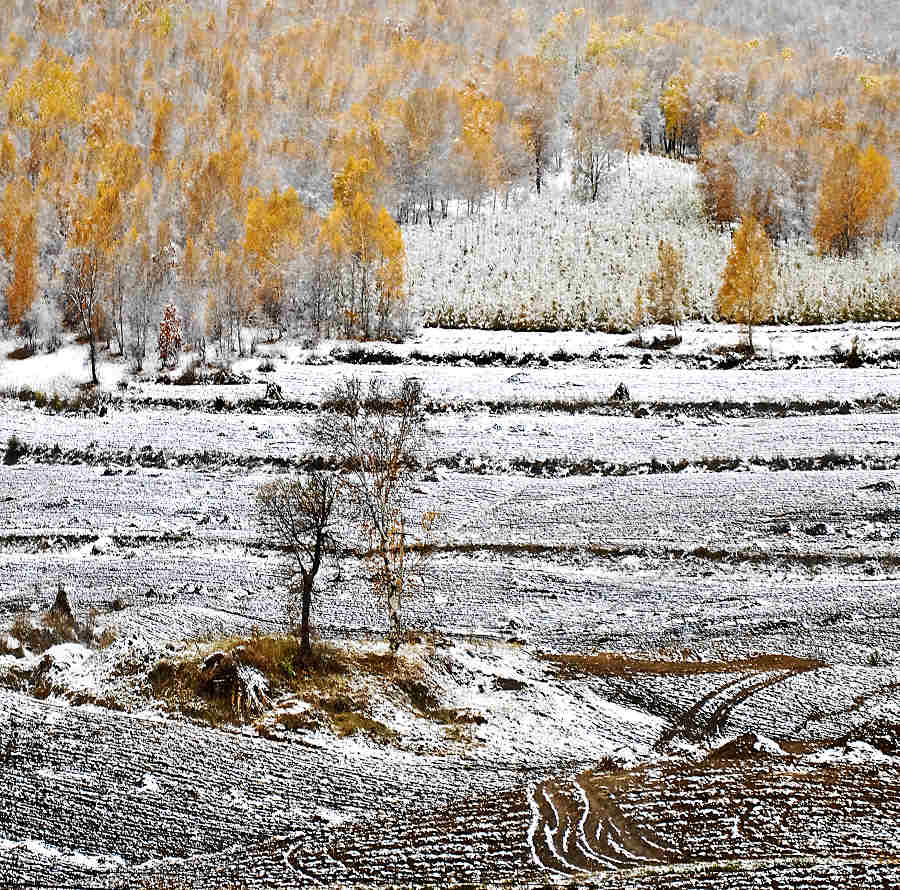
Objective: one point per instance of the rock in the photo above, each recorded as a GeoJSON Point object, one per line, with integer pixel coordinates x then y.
{"type": "Point", "coordinates": [118, 604]}
{"type": "Point", "coordinates": [621, 394]}
{"type": "Point", "coordinates": [509, 684]}
{"type": "Point", "coordinates": [149, 784]}
{"type": "Point", "coordinates": [101, 546]}
{"type": "Point", "coordinates": [61, 608]}
{"type": "Point", "coordinates": [817, 529]}
{"type": "Point", "coordinates": [13, 647]}
{"type": "Point", "coordinates": [640, 411]}
{"type": "Point", "coordinates": [747, 746]}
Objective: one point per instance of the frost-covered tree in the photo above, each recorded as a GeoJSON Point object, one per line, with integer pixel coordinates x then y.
{"type": "Point", "coordinates": [378, 437]}
{"type": "Point", "coordinates": [41, 325]}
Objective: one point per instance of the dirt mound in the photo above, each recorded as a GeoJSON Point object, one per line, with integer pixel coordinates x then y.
{"type": "Point", "coordinates": [747, 746]}
{"type": "Point", "coordinates": [880, 734]}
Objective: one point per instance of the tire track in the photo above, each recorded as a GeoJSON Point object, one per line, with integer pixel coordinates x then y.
{"type": "Point", "coordinates": [724, 699]}
{"type": "Point", "coordinates": [578, 828]}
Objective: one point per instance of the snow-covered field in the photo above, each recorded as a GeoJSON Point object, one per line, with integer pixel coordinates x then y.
{"type": "Point", "coordinates": [673, 623]}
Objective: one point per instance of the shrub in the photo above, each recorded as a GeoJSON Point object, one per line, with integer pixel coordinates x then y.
{"type": "Point", "coordinates": [191, 375]}
{"type": "Point", "coordinates": [170, 338]}
{"type": "Point", "coordinates": [15, 448]}
{"type": "Point", "coordinates": [59, 625]}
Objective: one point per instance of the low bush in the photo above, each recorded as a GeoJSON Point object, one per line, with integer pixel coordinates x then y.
{"type": "Point", "coordinates": [22, 352]}
{"type": "Point", "coordinates": [189, 376]}
{"type": "Point", "coordinates": [333, 681]}
{"type": "Point", "coordinates": [59, 625]}
{"type": "Point", "coordinates": [15, 449]}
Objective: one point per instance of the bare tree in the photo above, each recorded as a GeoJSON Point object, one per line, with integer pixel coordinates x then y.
{"type": "Point", "coordinates": [85, 298]}
{"type": "Point", "coordinates": [300, 514]}
{"type": "Point", "coordinates": [378, 437]}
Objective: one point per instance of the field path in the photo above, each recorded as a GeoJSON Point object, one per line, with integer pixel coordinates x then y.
{"type": "Point", "coordinates": [724, 699]}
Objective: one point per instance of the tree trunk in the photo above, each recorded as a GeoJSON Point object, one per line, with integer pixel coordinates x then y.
{"type": "Point", "coordinates": [394, 616]}
{"type": "Point", "coordinates": [305, 646]}
{"type": "Point", "coordinates": [93, 345]}
{"type": "Point", "coordinates": [393, 600]}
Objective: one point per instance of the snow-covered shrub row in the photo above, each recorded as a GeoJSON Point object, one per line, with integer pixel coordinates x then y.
{"type": "Point", "coordinates": [557, 264]}
{"type": "Point", "coordinates": [477, 443]}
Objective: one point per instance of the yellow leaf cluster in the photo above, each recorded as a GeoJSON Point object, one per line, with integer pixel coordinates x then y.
{"type": "Point", "coordinates": [48, 94]}
{"type": "Point", "coordinates": [23, 288]}
{"type": "Point", "coordinates": [272, 225]}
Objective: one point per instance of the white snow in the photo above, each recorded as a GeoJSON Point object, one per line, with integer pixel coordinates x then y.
{"type": "Point", "coordinates": [149, 784]}
{"type": "Point", "coordinates": [856, 752]}
{"type": "Point", "coordinates": [59, 371]}
{"type": "Point", "coordinates": [102, 863]}
{"type": "Point", "coordinates": [765, 745]}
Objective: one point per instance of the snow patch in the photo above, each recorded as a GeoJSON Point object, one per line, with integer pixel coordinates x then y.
{"type": "Point", "coordinates": [856, 752]}
{"type": "Point", "coordinates": [102, 863]}
{"type": "Point", "coordinates": [149, 784]}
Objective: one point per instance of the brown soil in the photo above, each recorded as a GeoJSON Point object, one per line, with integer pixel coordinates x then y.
{"type": "Point", "coordinates": [613, 664]}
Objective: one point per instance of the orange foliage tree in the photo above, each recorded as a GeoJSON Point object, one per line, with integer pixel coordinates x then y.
{"type": "Point", "coordinates": [748, 289]}
{"type": "Point", "coordinates": [23, 288]}
{"type": "Point", "coordinates": [369, 247]}
{"type": "Point", "coordinates": [855, 201]}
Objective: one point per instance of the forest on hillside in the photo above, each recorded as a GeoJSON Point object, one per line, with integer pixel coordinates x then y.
{"type": "Point", "coordinates": [266, 163]}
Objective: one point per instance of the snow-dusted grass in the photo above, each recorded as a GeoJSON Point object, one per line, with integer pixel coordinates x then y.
{"type": "Point", "coordinates": [475, 440]}
{"type": "Point", "coordinates": [558, 264]}
{"type": "Point", "coordinates": [60, 371]}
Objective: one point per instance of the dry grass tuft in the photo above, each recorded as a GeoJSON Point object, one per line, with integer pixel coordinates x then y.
{"type": "Point", "coordinates": [336, 682]}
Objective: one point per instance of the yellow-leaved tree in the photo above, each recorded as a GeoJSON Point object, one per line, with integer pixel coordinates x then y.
{"type": "Point", "coordinates": [7, 157]}
{"type": "Point", "coordinates": [94, 240]}
{"type": "Point", "coordinates": [667, 291]}
{"type": "Point", "coordinates": [748, 289]}
{"type": "Point", "coordinates": [274, 227]}
{"type": "Point", "coordinates": [368, 248]}
{"type": "Point", "coordinates": [23, 287]}
{"type": "Point", "coordinates": [856, 198]}
{"type": "Point", "coordinates": [390, 264]}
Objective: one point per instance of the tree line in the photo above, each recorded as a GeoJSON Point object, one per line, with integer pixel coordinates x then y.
{"type": "Point", "coordinates": [254, 163]}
